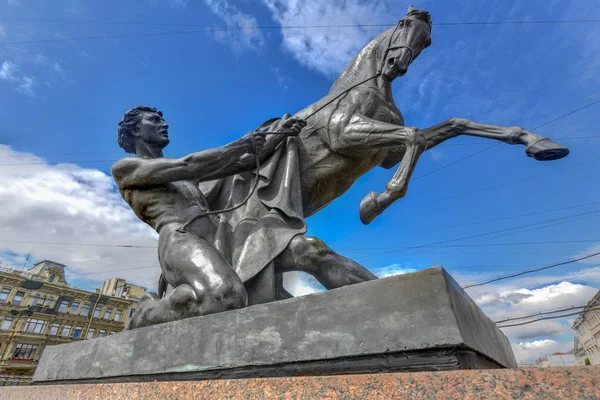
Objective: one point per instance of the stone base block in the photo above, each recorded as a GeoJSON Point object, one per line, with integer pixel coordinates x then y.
{"type": "Point", "coordinates": [413, 322]}
{"type": "Point", "coordinates": [530, 383]}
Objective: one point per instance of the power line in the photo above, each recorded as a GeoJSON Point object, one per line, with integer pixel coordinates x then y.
{"type": "Point", "coordinates": [180, 25]}
{"type": "Point", "coordinates": [67, 162]}
{"type": "Point", "coordinates": [484, 143]}
{"type": "Point", "coordinates": [541, 89]}
{"type": "Point", "coordinates": [481, 234]}
{"type": "Point", "coordinates": [498, 144]}
{"type": "Point", "coordinates": [488, 244]}
{"type": "Point", "coordinates": [532, 270]}
{"type": "Point", "coordinates": [115, 160]}
{"type": "Point", "coordinates": [451, 226]}
{"type": "Point", "coordinates": [443, 144]}
{"type": "Point", "coordinates": [540, 313]}
{"type": "Point", "coordinates": [112, 270]}
{"type": "Point", "coordinates": [82, 244]}
{"type": "Point", "coordinates": [553, 317]}
{"type": "Point", "coordinates": [208, 28]}
{"type": "Point", "coordinates": [510, 182]}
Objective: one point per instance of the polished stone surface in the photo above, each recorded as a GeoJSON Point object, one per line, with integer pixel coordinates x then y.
{"type": "Point", "coordinates": [418, 321]}
{"type": "Point", "coordinates": [577, 383]}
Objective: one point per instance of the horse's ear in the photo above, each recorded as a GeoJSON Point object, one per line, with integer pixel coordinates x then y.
{"type": "Point", "coordinates": [411, 8]}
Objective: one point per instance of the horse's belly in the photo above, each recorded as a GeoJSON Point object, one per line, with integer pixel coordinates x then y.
{"type": "Point", "coordinates": [328, 176]}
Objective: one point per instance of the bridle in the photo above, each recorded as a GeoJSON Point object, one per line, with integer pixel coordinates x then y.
{"type": "Point", "coordinates": [378, 73]}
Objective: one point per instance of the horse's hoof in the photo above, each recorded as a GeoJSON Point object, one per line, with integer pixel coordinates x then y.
{"type": "Point", "coordinates": [545, 149]}
{"type": "Point", "coordinates": [369, 208]}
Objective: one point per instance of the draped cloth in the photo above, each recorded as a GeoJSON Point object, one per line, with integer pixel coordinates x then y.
{"type": "Point", "coordinates": [254, 234]}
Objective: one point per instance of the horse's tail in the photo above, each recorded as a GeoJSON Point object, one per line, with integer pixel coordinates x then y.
{"type": "Point", "coordinates": [162, 286]}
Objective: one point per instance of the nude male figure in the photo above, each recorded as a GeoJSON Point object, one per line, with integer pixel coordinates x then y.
{"type": "Point", "coordinates": [164, 193]}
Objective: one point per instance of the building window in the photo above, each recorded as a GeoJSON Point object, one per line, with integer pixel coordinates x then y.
{"type": "Point", "coordinates": [74, 308]}
{"type": "Point", "coordinates": [25, 351]}
{"type": "Point", "coordinates": [77, 331]}
{"type": "Point", "coordinates": [52, 278]}
{"type": "Point", "coordinates": [18, 298]}
{"type": "Point", "coordinates": [4, 294]}
{"type": "Point", "coordinates": [54, 329]}
{"type": "Point", "coordinates": [48, 301]}
{"type": "Point", "coordinates": [118, 315]}
{"type": "Point", "coordinates": [111, 333]}
{"type": "Point", "coordinates": [90, 333]}
{"type": "Point", "coordinates": [101, 333]}
{"type": "Point", "coordinates": [63, 306]}
{"type": "Point", "coordinates": [66, 331]}
{"type": "Point", "coordinates": [35, 325]}
{"type": "Point", "coordinates": [131, 312]}
{"type": "Point", "coordinates": [40, 301]}
{"type": "Point", "coordinates": [85, 310]}
{"type": "Point", "coordinates": [35, 299]}
{"type": "Point", "coordinates": [107, 313]}
{"type": "Point", "coordinates": [6, 323]}
{"type": "Point", "coordinates": [97, 311]}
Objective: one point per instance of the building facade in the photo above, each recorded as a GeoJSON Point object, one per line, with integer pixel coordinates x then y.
{"type": "Point", "coordinates": [38, 309]}
{"type": "Point", "coordinates": [117, 287]}
{"type": "Point", "coordinates": [587, 326]}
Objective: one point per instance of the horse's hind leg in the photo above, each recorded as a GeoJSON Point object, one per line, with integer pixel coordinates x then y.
{"type": "Point", "coordinates": [375, 203]}
{"type": "Point", "coordinates": [313, 256]}
{"type": "Point", "coordinates": [538, 147]}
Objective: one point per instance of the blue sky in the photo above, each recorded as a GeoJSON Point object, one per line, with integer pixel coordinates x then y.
{"type": "Point", "coordinates": [66, 97]}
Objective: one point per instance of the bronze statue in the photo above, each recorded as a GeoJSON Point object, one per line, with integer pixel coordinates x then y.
{"type": "Point", "coordinates": [164, 193]}
{"type": "Point", "coordinates": [353, 129]}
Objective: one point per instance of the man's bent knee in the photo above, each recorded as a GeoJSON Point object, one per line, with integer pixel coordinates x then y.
{"type": "Point", "coordinates": [230, 295]}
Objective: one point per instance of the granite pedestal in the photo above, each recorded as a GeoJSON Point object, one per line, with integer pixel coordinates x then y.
{"type": "Point", "coordinates": [421, 321]}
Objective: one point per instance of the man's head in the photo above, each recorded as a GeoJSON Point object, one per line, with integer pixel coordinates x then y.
{"type": "Point", "coordinates": [145, 124]}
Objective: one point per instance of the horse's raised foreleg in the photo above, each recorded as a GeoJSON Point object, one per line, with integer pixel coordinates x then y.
{"type": "Point", "coordinates": [538, 147]}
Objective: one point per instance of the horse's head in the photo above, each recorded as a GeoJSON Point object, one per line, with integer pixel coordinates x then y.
{"type": "Point", "coordinates": [405, 43]}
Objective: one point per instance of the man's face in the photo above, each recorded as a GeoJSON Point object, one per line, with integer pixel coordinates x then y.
{"type": "Point", "coordinates": [153, 130]}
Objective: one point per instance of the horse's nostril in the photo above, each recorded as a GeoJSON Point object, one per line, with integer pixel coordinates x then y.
{"type": "Point", "coordinates": [391, 62]}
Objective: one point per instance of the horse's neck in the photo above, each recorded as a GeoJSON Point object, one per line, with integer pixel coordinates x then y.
{"type": "Point", "coordinates": [363, 67]}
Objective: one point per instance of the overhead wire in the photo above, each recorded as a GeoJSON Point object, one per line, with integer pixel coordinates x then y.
{"type": "Point", "coordinates": [481, 234]}
{"type": "Point", "coordinates": [498, 144]}
{"type": "Point", "coordinates": [540, 313]}
{"type": "Point", "coordinates": [543, 318]}
{"type": "Point", "coordinates": [531, 271]}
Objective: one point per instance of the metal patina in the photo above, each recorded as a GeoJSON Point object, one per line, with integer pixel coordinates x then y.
{"type": "Point", "coordinates": [228, 260]}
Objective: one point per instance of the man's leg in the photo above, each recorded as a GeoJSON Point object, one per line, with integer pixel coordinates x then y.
{"type": "Point", "coordinates": [204, 282]}
{"type": "Point", "coordinates": [311, 255]}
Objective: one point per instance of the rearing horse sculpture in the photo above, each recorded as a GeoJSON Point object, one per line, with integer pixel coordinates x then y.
{"type": "Point", "coordinates": [353, 129]}
{"type": "Point", "coordinates": [363, 128]}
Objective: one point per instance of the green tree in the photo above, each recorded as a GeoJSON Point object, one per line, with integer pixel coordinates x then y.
{"type": "Point", "coordinates": [587, 361]}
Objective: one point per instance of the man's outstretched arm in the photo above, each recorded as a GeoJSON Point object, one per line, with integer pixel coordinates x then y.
{"type": "Point", "coordinates": [202, 166]}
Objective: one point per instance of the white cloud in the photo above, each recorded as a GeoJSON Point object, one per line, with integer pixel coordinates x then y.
{"type": "Point", "coordinates": [66, 203]}
{"type": "Point", "coordinates": [14, 2]}
{"type": "Point", "coordinates": [392, 269]}
{"type": "Point", "coordinates": [238, 39]}
{"type": "Point", "coordinates": [327, 50]}
{"type": "Point", "coordinates": [179, 4]}
{"type": "Point", "coordinates": [300, 284]}
{"type": "Point", "coordinates": [22, 84]}
{"type": "Point", "coordinates": [26, 85]}
{"type": "Point", "coordinates": [7, 70]}
{"type": "Point", "coordinates": [528, 352]}
{"type": "Point", "coordinates": [2, 31]}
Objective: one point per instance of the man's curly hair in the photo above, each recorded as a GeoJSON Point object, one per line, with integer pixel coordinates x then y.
{"type": "Point", "coordinates": [128, 125]}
